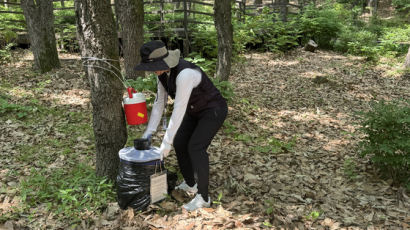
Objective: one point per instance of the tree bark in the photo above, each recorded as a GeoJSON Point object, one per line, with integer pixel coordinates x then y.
{"type": "Point", "coordinates": [40, 25]}
{"type": "Point", "coordinates": [223, 24]}
{"type": "Point", "coordinates": [407, 62]}
{"type": "Point", "coordinates": [98, 38]}
{"type": "Point", "coordinates": [130, 15]}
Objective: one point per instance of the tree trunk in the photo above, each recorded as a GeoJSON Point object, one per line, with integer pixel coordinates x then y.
{"type": "Point", "coordinates": [257, 2]}
{"type": "Point", "coordinates": [224, 30]}
{"type": "Point", "coordinates": [407, 62]}
{"type": "Point", "coordinates": [130, 14]}
{"type": "Point", "coordinates": [98, 38]}
{"type": "Point", "coordinates": [40, 25]}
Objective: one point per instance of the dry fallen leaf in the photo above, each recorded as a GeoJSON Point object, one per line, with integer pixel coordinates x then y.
{"type": "Point", "coordinates": [280, 158]}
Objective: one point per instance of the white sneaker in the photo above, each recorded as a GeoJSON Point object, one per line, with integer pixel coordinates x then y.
{"type": "Point", "coordinates": [197, 202]}
{"type": "Point", "coordinates": [185, 187]}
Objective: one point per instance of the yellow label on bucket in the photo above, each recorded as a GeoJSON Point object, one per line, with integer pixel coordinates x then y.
{"type": "Point", "coordinates": [141, 115]}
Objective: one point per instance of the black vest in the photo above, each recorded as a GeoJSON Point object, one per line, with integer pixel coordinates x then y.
{"type": "Point", "coordinates": [204, 96]}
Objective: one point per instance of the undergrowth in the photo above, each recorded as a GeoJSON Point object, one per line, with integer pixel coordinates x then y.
{"type": "Point", "coordinates": [387, 129]}
{"type": "Point", "coordinates": [70, 194]}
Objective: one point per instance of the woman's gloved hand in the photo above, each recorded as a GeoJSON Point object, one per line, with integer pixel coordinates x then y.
{"type": "Point", "coordinates": [164, 149]}
{"type": "Point", "coordinates": [147, 134]}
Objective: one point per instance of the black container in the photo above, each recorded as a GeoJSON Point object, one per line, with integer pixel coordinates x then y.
{"type": "Point", "coordinates": [133, 179]}
{"type": "Point", "coordinates": [142, 143]}
{"type": "Point", "coordinates": [133, 183]}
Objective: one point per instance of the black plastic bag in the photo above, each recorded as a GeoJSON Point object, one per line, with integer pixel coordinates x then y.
{"type": "Point", "coordinates": [172, 181]}
{"type": "Point", "coordinates": [133, 183]}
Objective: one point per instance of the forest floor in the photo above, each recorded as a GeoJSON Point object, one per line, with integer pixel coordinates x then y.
{"type": "Point", "coordinates": [286, 158]}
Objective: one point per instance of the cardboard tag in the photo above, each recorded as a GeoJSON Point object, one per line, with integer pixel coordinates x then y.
{"type": "Point", "coordinates": [159, 186]}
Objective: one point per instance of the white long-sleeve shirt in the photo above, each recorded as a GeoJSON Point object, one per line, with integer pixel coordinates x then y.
{"type": "Point", "coordinates": [186, 81]}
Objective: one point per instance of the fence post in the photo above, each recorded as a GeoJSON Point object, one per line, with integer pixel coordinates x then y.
{"type": "Point", "coordinates": [193, 8]}
{"type": "Point", "coordinates": [239, 12]}
{"type": "Point", "coordinates": [284, 9]}
{"type": "Point", "coordinates": [185, 41]}
{"type": "Point", "coordinates": [301, 4]}
{"type": "Point", "coordinates": [244, 10]}
{"type": "Point", "coordinates": [161, 15]}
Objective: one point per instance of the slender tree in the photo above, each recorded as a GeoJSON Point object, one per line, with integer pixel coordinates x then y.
{"type": "Point", "coordinates": [224, 30]}
{"type": "Point", "coordinates": [130, 14]}
{"type": "Point", "coordinates": [407, 62]}
{"type": "Point", "coordinates": [40, 24]}
{"type": "Point", "coordinates": [98, 39]}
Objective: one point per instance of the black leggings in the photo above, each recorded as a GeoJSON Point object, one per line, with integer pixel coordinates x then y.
{"type": "Point", "coordinates": [191, 143]}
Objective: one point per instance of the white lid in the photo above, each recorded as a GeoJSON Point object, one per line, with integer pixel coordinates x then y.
{"type": "Point", "coordinates": [136, 98]}
{"type": "Point", "coordinates": [131, 154]}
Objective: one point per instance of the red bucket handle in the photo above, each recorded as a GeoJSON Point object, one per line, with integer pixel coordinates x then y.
{"type": "Point", "coordinates": [130, 91]}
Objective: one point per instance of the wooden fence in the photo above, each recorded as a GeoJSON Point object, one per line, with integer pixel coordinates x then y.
{"type": "Point", "coordinates": [167, 9]}
{"type": "Point", "coordinates": [275, 6]}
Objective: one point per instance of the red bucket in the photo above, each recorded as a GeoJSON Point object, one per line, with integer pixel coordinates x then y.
{"type": "Point", "coordinates": [135, 108]}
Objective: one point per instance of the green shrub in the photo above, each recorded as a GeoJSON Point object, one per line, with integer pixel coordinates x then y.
{"type": "Point", "coordinates": [225, 87]}
{"type": "Point", "coordinates": [321, 24]}
{"type": "Point", "coordinates": [7, 36]}
{"type": "Point", "coordinates": [205, 41]}
{"type": "Point", "coordinates": [392, 40]}
{"type": "Point", "coordinates": [376, 26]}
{"type": "Point", "coordinates": [265, 32]}
{"type": "Point", "coordinates": [66, 38]}
{"type": "Point", "coordinates": [146, 84]}
{"type": "Point", "coordinates": [207, 65]}
{"type": "Point", "coordinates": [401, 5]}
{"type": "Point", "coordinates": [244, 35]}
{"type": "Point", "coordinates": [357, 41]}
{"type": "Point", "coordinates": [345, 36]}
{"type": "Point", "coordinates": [363, 43]}
{"type": "Point", "coordinates": [387, 129]}
{"type": "Point", "coordinates": [379, 38]}
{"type": "Point", "coordinates": [6, 43]}
{"type": "Point", "coordinates": [5, 53]}
{"type": "Point", "coordinates": [282, 36]}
